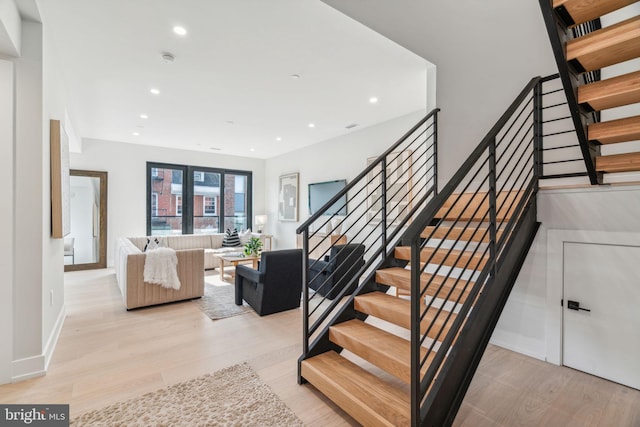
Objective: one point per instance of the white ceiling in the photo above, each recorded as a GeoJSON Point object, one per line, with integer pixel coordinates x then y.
{"type": "Point", "coordinates": [230, 86]}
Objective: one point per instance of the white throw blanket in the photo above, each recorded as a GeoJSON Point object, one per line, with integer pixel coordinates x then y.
{"type": "Point", "coordinates": [160, 267]}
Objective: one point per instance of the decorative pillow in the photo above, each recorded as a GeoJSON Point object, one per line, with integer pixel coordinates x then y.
{"type": "Point", "coordinates": [244, 236]}
{"type": "Point", "coordinates": [231, 239]}
{"type": "Point", "coordinates": [152, 243]}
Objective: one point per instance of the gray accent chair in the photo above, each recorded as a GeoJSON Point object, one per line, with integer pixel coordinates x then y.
{"type": "Point", "coordinates": [329, 276]}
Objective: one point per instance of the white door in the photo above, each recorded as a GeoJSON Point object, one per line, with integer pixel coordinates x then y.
{"type": "Point", "coordinates": [604, 341]}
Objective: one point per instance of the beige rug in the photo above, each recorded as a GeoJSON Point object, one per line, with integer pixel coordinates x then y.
{"type": "Point", "coordinates": [218, 301]}
{"type": "Point", "coordinates": [234, 396]}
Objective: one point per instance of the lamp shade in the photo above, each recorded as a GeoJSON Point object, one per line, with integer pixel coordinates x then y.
{"type": "Point", "coordinates": [260, 221]}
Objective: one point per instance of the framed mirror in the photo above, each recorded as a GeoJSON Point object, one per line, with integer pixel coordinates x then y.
{"type": "Point", "coordinates": [85, 247]}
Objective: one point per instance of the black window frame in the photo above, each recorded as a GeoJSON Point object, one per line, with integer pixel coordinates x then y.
{"type": "Point", "coordinates": [187, 193]}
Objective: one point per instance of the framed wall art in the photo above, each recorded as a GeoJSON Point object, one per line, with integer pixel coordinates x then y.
{"type": "Point", "coordinates": [60, 203]}
{"type": "Point", "coordinates": [288, 197]}
{"type": "Point", "coordinates": [398, 187]}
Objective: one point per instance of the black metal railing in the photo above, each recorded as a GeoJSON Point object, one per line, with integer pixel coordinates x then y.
{"type": "Point", "coordinates": [381, 201]}
{"type": "Point", "coordinates": [560, 31]}
{"type": "Point", "coordinates": [488, 210]}
{"type": "Point", "coordinates": [559, 153]}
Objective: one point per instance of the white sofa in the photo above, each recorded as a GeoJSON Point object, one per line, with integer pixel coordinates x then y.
{"type": "Point", "coordinates": [195, 254]}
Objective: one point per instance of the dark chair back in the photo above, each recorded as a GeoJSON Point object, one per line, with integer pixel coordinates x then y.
{"type": "Point", "coordinates": [276, 285]}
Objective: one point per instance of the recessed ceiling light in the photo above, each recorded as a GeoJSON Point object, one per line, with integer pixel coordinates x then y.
{"type": "Point", "coordinates": [252, 149]}
{"type": "Point", "coordinates": [278, 139]}
{"type": "Point", "coordinates": [144, 116]}
{"type": "Point", "coordinates": [181, 31]}
{"type": "Point", "coordinates": [373, 100]}
{"type": "Point", "coordinates": [155, 91]}
{"type": "Point", "coordinates": [311, 125]}
{"type": "Point", "coordinates": [136, 133]}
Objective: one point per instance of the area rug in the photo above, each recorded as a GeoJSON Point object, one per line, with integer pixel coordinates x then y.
{"type": "Point", "coordinates": [234, 396]}
{"type": "Point", "coordinates": [218, 301]}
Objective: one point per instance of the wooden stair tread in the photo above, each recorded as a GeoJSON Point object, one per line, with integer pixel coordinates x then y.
{"type": "Point", "coordinates": [627, 162]}
{"type": "Point", "coordinates": [455, 207]}
{"type": "Point", "coordinates": [398, 311]}
{"type": "Point", "coordinates": [607, 46]}
{"type": "Point", "coordinates": [610, 93]}
{"type": "Point", "coordinates": [401, 278]}
{"type": "Point", "coordinates": [588, 10]}
{"type": "Point", "coordinates": [614, 131]}
{"type": "Point", "coordinates": [451, 258]}
{"type": "Point", "coordinates": [455, 233]}
{"type": "Point", "coordinates": [383, 349]}
{"type": "Point", "coordinates": [367, 398]}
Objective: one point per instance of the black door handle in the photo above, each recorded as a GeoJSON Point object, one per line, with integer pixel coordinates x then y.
{"type": "Point", "coordinates": [575, 305]}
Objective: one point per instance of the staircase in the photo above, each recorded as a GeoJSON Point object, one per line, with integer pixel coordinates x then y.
{"type": "Point", "coordinates": [390, 360]}
{"type": "Point", "coordinates": [368, 398]}
{"type": "Point", "coordinates": [582, 50]}
{"type": "Point", "coordinates": [453, 254]}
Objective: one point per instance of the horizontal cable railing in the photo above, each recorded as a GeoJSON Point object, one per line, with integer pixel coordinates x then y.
{"type": "Point", "coordinates": [485, 202]}
{"type": "Point", "coordinates": [559, 153]}
{"type": "Point", "coordinates": [342, 252]}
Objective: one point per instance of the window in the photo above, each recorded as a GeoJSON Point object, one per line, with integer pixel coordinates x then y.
{"type": "Point", "coordinates": [209, 206]}
{"type": "Point", "coordinates": [178, 205]}
{"type": "Point", "coordinates": [185, 199]}
{"type": "Point", "coordinates": [154, 204]}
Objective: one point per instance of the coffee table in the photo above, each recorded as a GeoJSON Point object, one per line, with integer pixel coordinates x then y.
{"type": "Point", "coordinates": [234, 260]}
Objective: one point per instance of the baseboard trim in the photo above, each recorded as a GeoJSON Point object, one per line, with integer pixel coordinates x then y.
{"type": "Point", "coordinates": [53, 337]}
{"type": "Point", "coordinates": [36, 366]}
{"type": "Point", "coordinates": [29, 367]}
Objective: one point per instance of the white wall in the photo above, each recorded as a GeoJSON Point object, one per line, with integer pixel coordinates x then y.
{"type": "Point", "coordinates": [127, 182]}
{"type": "Point", "coordinates": [29, 209]}
{"type": "Point", "coordinates": [339, 158]}
{"type": "Point", "coordinates": [484, 54]}
{"type": "Point", "coordinates": [10, 28]}
{"type": "Point", "coordinates": [6, 218]}
{"type": "Point", "coordinates": [523, 325]}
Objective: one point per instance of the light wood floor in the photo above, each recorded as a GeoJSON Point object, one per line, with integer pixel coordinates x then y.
{"type": "Point", "coordinates": [106, 354]}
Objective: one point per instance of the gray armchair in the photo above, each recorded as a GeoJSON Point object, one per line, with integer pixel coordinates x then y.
{"type": "Point", "coordinates": [329, 276]}
{"type": "Point", "coordinates": [275, 286]}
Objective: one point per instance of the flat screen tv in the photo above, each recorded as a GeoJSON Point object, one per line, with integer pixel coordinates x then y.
{"type": "Point", "coordinates": [321, 192]}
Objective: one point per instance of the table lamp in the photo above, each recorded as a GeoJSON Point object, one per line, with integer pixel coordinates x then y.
{"type": "Point", "coordinates": [260, 221]}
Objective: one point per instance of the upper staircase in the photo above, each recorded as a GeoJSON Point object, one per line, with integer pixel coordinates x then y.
{"type": "Point", "coordinates": [586, 52]}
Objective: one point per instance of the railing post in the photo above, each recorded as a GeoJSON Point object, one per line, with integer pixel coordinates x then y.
{"type": "Point", "coordinates": [435, 154]}
{"type": "Point", "coordinates": [415, 333]}
{"type": "Point", "coordinates": [305, 292]}
{"type": "Point", "coordinates": [538, 156]}
{"type": "Point", "coordinates": [493, 217]}
{"type": "Point", "coordinates": [383, 199]}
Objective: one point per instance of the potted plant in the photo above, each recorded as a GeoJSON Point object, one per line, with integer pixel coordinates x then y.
{"type": "Point", "coordinates": [253, 247]}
